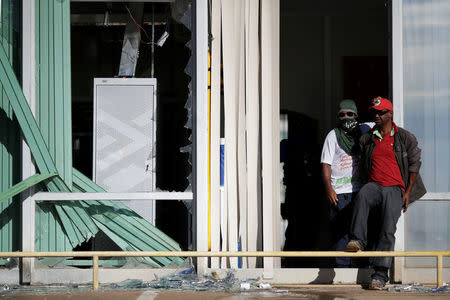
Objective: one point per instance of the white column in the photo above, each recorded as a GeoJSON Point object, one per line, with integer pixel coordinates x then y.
{"type": "Point", "coordinates": [29, 87]}
{"type": "Point", "coordinates": [397, 61]}
{"type": "Point", "coordinates": [201, 129]}
{"type": "Point", "coordinates": [397, 94]}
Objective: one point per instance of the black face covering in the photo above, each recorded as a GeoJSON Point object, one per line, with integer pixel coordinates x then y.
{"type": "Point", "coordinates": [347, 124]}
{"type": "Point", "coordinates": [347, 134]}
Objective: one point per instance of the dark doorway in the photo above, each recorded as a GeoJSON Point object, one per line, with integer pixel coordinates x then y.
{"type": "Point", "coordinates": [365, 77]}
{"type": "Point", "coordinates": [329, 51]}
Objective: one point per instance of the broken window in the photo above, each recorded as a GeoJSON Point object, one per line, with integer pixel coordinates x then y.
{"type": "Point", "coordinates": [158, 46]}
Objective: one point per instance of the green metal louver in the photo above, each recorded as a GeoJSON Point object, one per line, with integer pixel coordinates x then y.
{"type": "Point", "coordinates": [10, 224]}
{"type": "Point", "coordinates": [77, 231]}
{"type": "Point", "coordinates": [53, 94]}
{"type": "Point", "coordinates": [23, 185]}
{"type": "Point", "coordinates": [124, 226]}
{"type": "Point", "coordinates": [53, 113]}
{"type": "Point", "coordinates": [81, 220]}
{"type": "Point", "coordinates": [62, 225]}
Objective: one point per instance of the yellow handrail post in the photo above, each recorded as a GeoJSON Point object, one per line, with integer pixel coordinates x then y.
{"type": "Point", "coordinates": [95, 272]}
{"type": "Point", "coordinates": [440, 281]}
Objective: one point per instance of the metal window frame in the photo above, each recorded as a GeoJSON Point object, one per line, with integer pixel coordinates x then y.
{"type": "Point", "coordinates": [28, 168]}
{"type": "Point", "coordinates": [396, 88]}
{"type": "Point", "coordinates": [28, 233]}
{"type": "Point", "coordinates": [200, 130]}
{"type": "Point", "coordinates": [199, 196]}
{"type": "Point", "coordinates": [396, 18]}
{"type": "Point", "coordinates": [396, 54]}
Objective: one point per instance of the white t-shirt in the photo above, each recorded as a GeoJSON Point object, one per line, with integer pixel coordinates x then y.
{"type": "Point", "coordinates": [344, 167]}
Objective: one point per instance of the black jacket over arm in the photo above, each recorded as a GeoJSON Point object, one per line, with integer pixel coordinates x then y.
{"type": "Point", "coordinates": [407, 154]}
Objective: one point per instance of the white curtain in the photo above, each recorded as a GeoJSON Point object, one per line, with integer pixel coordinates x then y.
{"type": "Point", "coordinates": [248, 51]}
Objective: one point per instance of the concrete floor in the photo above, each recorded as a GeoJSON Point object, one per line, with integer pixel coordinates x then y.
{"type": "Point", "coordinates": [316, 293]}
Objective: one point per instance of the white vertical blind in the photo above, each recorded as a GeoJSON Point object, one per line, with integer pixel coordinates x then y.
{"type": "Point", "coordinates": [231, 27]}
{"type": "Point", "coordinates": [252, 97]}
{"type": "Point", "coordinates": [215, 129]}
{"type": "Point", "coordinates": [270, 130]}
{"type": "Point", "coordinates": [250, 57]}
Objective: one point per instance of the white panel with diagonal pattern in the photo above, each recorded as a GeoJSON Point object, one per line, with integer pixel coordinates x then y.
{"type": "Point", "coordinates": [124, 137]}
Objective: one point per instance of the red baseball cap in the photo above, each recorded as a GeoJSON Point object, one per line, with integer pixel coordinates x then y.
{"type": "Point", "coordinates": [382, 104]}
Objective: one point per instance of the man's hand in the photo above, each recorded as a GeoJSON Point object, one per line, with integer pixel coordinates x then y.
{"type": "Point", "coordinates": [406, 201]}
{"type": "Point", "coordinates": [406, 196]}
{"type": "Point", "coordinates": [329, 191]}
{"type": "Point", "coordinates": [332, 197]}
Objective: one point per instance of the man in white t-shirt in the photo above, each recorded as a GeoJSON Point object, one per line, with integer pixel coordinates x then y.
{"type": "Point", "coordinates": [339, 172]}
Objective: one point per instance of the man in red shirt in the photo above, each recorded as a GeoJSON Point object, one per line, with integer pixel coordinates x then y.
{"type": "Point", "coordinates": [389, 165]}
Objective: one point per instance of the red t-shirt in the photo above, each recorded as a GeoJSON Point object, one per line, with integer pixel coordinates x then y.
{"type": "Point", "coordinates": [385, 170]}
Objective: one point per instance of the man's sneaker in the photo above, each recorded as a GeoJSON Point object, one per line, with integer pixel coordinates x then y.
{"type": "Point", "coordinates": [377, 285]}
{"type": "Point", "coordinates": [354, 246]}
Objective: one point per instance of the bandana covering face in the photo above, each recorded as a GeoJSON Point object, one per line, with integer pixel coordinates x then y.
{"type": "Point", "coordinates": [347, 134]}
{"type": "Point", "coordinates": [348, 124]}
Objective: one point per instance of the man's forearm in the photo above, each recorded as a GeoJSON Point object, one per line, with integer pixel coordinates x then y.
{"type": "Point", "coordinates": [329, 191]}
{"type": "Point", "coordinates": [326, 175]}
{"type": "Point", "coordinates": [411, 181]}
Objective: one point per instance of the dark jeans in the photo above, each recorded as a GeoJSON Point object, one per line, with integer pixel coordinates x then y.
{"type": "Point", "coordinates": [389, 202]}
{"type": "Point", "coordinates": [340, 216]}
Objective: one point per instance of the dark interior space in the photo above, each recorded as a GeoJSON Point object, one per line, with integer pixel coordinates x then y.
{"type": "Point", "coordinates": [329, 51]}
{"type": "Point", "coordinates": [365, 77]}
{"type": "Point", "coordinates": [96, 51]}
{"type": "Point", "coordinates": [303, 189]}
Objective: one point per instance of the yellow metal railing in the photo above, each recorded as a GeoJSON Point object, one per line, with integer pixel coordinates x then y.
{"type": "Point", "coordinates": [97, 254]}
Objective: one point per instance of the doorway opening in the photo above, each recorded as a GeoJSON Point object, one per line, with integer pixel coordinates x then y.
{"type": "Point", "coordinates": [329, 51]}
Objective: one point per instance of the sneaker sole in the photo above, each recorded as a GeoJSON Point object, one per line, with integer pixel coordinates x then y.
{"type": "Point", "coordinates": [375, 288]}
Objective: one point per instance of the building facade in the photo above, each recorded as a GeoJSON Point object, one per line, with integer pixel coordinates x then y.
{"type": "Point", "coordinates": [265, 56]}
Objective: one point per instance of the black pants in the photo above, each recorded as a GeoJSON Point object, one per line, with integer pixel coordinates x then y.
{"type": "Point", "coordinates": [340, 217]}
{"type": "Point", "coordinates": [389, 201]}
